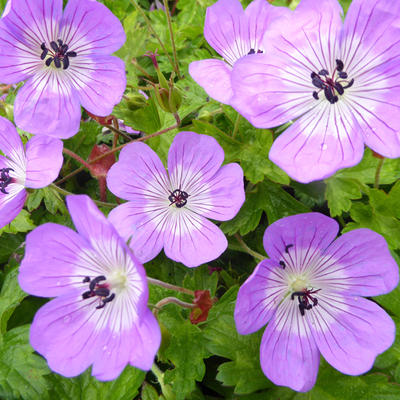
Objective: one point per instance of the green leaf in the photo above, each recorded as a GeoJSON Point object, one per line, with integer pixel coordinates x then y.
{"type": "Point", "coordinates": [340, 192]}
{"type": "Point", "coordinates": [149, 393]}
{"type": "Point", "coordinates": [244, 371]}
{"type": "Point", "coordinates": [85, 386]}
{"type": "Point", "coordinates": [21, 371]}
{"type": "Point", "coordinates": [186, 352]}
{"type": "Point", "coordinates": [10, 297]}
{"type": "Point", "coordinates": [21, 223]}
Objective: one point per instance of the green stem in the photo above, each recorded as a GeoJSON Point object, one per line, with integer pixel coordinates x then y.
{"type": "Point", "coordinates": [76, 157]}
{"type": "Point", "coordinates": [165, 389]}
{"type": "Point", "coordinates": [171, 35]}
{"type": "Point", "coordinates": [66, 193]}
{"type": "Point", "coordinates": [378, 172]}
{"type": "Point", "coordinates": [236, 126]}
{"type": "Point", "coordinates": [70, 175]}
{"type": "Point", "coordinates": [169, 286]}
{"type": "Point", "coordinates": [148, 23]}
{"type": "Point", "coordinates": [247, 249]}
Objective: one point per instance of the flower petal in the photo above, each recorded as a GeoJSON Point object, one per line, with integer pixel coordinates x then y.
{"type": "Point", "coordinates": [214, 76]}
{"type": "Point", "coordinates": [53, 262]}
{"type": "Point", "coordinates": [142, 228]}
{"type": "Point", "coordinates": [350, 331]}
{"type": "Point", "coordinates": [288, 353]}
{"type": "Point", "coordinates": [44, 161]}
{"type": "Point", "coordinates": [11, 204]}
{"type": "Point", "coordinates": [89, 27]}
{"type": "Point", "coordinates": [138, 346]}
{"type": "Point", "coordinates": [138, 175]}
{"type": "Point", "coordinates": [221, 197]}
{"type": "Point", "coordinates": [309, 234]}
{"type": "Point", "coordinates": [67, 323]}
{"type": "Point", "coordinates": [259, 297]}
{"type": "Point", "coordinates": [192, 160]}
{"type": "Point", "coordinates": [47, 105]}
{"type": "Point", "coordinates": [319, 143]}
{"type": "Point", "coordinates": [192, 239]}
{"type": "Point", "coordinates": [226, 30]}
{"type": "Point", "coordinates": [260, 15]}
{"type": "Point", "coordinates": [10, 142]}
{"type": "Point", "coordinates": [99, 81]}
{"type": "Point", "coordinates": [358, 263]}
{"type": "Point", "coordinates": [33, 22]}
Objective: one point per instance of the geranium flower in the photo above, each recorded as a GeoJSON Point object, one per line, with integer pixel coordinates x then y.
{"type": "Point", "coordinates": [337, 81]}
{"type": "Point", "coordinates": [34, 167]}
{"type": "Point", "coordinates": [233, 34]}
{"type": "Point", "coordinates": [64, 57]}
{"type": "Point", "coordinates": [171, 210]}
{"type": "Point", "coordinates": [99, 316]}
{"type": "Point", "coordinates": [309, 294]}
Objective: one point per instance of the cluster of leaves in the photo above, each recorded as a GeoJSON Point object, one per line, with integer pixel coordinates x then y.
{"type": "Point", "coordinates": [209, 360]}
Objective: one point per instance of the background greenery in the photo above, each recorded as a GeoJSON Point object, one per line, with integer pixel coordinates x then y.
{"type": "Point", "coordinates": [208, 360]}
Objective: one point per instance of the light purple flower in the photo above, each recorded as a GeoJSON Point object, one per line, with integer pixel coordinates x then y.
{"type": "Point", "coordinates": [232, 33]}
{"type": "Point", "coordinates": [171, 210]}
{"type": "Point", "coordinates": [99, 316]}
{"type": "Point", "coordinates": [65, 60]}
{"type": "Point", "coordinates": [338, 80]}
{"type": "Point", "coordinates": [34, 167]}
{"type": "Point", "coordinates": [309, 294]}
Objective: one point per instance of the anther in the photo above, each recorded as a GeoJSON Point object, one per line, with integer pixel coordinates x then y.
{"type": "Point", "coordinates": [287, 247]}
{"type": "Point", "coordinates": [86, 279]}
{"type": "Point", "coordinates": [339, 88]}
{"type": "Point", "coordinates": [282, 264]}
{"type": "Point", "coordinates": [178, 197]}
{"type": "Point", "coordinates": [95, 281]}
{"type": "Point", "coordinates": [350, 84]}
{"type": "Point", "coordinates": [339, 65]}
{"type": "Point", "coordinates": [343, 75]}
{"type": "Point", "coordinates": [54, 46]}
{"type": "Point", "coordinates": [323, 72]}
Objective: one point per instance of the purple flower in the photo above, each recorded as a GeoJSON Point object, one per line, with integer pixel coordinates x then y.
{"type": "Point", "coordinates": [64, 57]}
{"type": "Point", "coordinates": [308, 293]}
{"type": "Point", "coordinates": [34, 167]}
{"type": "Point", "coordinates": [171, 210]}
{"type": "Point", "coordinates": [337, 81]}
{"type": "Point", "coordinates": [232, 33]}
{"type": "Point", "coordinates": [99, 316]}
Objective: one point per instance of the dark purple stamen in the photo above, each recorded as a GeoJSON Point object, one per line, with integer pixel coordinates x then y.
{"type": "Point", "coordinates": [305, 299]}
{"type": "Point", "coordinates": [5, 179]}
{"type": "Point", "coordinates": [97, 289]}
{"type": "Point", "coordinates": [282, 264]}
{"type": "Point", "coordinates": [252, 51]}
{"type": "Point", "coordinates": [332, 87]}
{"type": "Point", "coordinates": [178, 197]}
{"type": "Point", "coordinates": [59, 54]}
{"type": "Point", "coordinates": [287, 247]}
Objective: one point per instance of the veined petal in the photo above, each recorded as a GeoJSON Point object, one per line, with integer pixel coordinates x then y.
{"type": "Point", "coordinates": [10, 142]}
{"type": "Point", "coordinates": [192, 160]}
{"type": "Point", "coordinates": [319, 143]}
{"type": "Point", "coordinates": [44, 161]}
{"type": "Point", "coordinates": [192, 239]}
{"type": "Point", "coordinates": [358, 263]}
{"type": "Point", "coordinates": [222, 196]}
{"type": "Point", "coordinates": [33, 22]}
{"type": "Point", "coordinates": [260, 15]}
{"type": "Point", "coordinates": [288, 352]}
{"type": "Point", "coordinates": [90, 27]}
{"type": "Point", "coordinates": [99, 82]}
{"type": "Point", "coordinates": [47, 105]}
{"type": "Point", "coordinates": [53, 262]}
{"type": "Point", "coordinates": [19, 59]}
{"type": "Point", "coordinates": [214, 76]}
{"type": "Point", "coordinates": [11, 204]}
{"type": "Point", "coordinates": [298, 240]}
{"type": "Point", "coordinates": [138, 175]}
{"type": "Point", "coordinates": [350, 331]}
{"type": "Point", "coordinates": [259, 297]}
{"type": "Point", "coordinates": [141, 227]}
{"type": "Point", "coordinates": [226, 30]}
